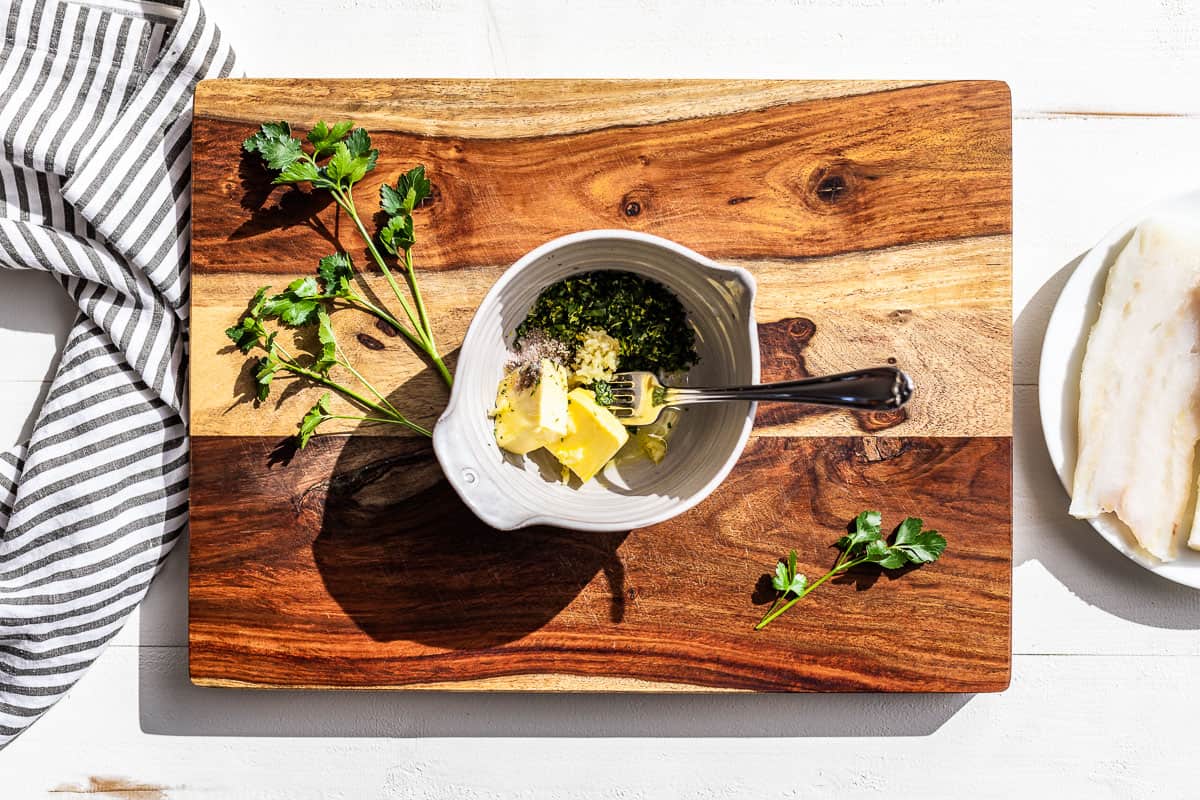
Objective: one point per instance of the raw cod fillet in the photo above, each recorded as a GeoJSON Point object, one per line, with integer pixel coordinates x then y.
{"type": "Point", "coordinates": [1139, 390]}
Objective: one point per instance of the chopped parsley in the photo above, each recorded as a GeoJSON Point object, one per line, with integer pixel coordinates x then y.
{"type": "Point", "coordinates": [603, 392]}
{"type": "Point", "coordinates": [645, 317]}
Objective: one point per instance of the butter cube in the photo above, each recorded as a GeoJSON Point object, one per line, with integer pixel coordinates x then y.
{"type": "Point", "coordinates": [594, 436]}
{"type": "Point", "coordinates": [534, 416]}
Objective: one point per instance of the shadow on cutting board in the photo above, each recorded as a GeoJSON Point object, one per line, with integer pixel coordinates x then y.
{"type": "Point", "coordinates": [274, 209]}
{"type": "Point", "coordinates": [407, 560]}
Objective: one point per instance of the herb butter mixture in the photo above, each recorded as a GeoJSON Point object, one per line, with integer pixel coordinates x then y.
{"type": "Point", "coordinates": [579, 333]}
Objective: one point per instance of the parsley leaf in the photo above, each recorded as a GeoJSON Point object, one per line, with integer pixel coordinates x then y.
{"type": "Point", "coordinates": [891, 559]}
{"type": "Point", "coordinates": [786, 580]}
{"type": "Point", "coordinates": [781, 581]}
{"type": "Point", "coordinates": [323, 138]}
{"type": "Point", "coordinates": [417, 185]}
{"type": "Point", "coordinates": [352, 159]}
{"type": "Point", "coordinates": [328, 356]}
{"type": "Point", "coordinates": [256, 302]}
{"type": "Point", "coordinates": [390, 200]}
{"type": "Point", "coordinates": [268, 133]}
{"type": "Point", "coordinates": [297, 172]}
{"type": "Point", "coordinates": [340, 165]}
{"type": "Point", "coordinates": [304, 287]}
{"type": "Point", "coordinates": [268, 130]}
{"type": "Point", "coordinates": [298, 305]}
{"type": "Point", "coordinates": [335, 272]}
{"type": "Point", "coordinates": [249, 329]}
{"type": "Point", "coordinates": [279, 153]}
{"type": "Point", "coordinates": [267, 366]}
{"type": "Point", "coordinates": [314, 417]}
{"type": "Point", "coordinates": [411, 188]}
{"type": "Point", "coordinates": [397, 234]}
{"type": "Point", "coordinates": [865, 545]}
{"type": "Point", "coordinates": [244, 336]}
{"type": "Point", "coordinates": [867, 528]}
{"type": "Point", "coordinates": [918, 546]}
{"type": "Point", "coordinates": [358, 142]}
{"type": "Point", "coordinates": [876, 550]}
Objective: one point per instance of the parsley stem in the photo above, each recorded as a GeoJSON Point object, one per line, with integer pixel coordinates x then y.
{"type": "Point", "coordinates": [440, 366]}
{"type": "Point", "coordinates": [395, 416]}
{"type": "Point", "coordinates": [841, 557]}
{"type": "Point", "coordinates": [774, 603]}
{"type": "Point", "coordinates": [348, 206]}
{"type": "Point", "coordinates": [420, 320]}
{"type": "Point", "coordinates": [416, 293]}
{"type": "Point", "coordinates": [430, 352]}
{"type": "Point", "coordinates": [771, 616]}
{"type": "Point", "coordinates": [378, 312]}
{"type": "Point", "coordinates": [406, 423]}
{"type": "Point", "coordinates": [345, 362]}
{"type": "Point", "coordinates": [317, 377]}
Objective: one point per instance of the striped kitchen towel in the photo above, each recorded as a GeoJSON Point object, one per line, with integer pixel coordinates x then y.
{"type": "Point", "coordinates": [95, 115]}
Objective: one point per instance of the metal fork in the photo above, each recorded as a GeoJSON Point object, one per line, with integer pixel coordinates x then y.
{"type": "Point", "coordinates": [639, 397]}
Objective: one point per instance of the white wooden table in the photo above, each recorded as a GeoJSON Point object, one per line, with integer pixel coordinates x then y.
{"type": "Point", "coordinates": [1107, 118]}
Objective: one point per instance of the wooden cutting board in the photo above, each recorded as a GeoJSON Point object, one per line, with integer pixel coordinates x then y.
{"type": "Point", "coordinates": [876, 218]}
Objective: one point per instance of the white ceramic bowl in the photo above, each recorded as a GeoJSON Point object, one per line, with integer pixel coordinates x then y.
{"type": "Point", "coordinates": [508, 491]}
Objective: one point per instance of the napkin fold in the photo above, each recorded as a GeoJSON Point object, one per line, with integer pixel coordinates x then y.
{"type": "Point", "coordinates": [95, 180]}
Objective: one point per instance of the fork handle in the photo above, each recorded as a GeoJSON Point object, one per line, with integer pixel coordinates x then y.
{"type": "Point", "coordinates": [878, 388]}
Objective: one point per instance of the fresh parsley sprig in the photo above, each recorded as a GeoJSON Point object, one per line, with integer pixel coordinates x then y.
{"type": "Point", "coordinates": [866, 544]}
{"type": "Point", "coordinates": [305, 304]}
{"type": "Point", "coordinates": [397, 233]}
{"type": "Point", "coordinates": [341, 155]}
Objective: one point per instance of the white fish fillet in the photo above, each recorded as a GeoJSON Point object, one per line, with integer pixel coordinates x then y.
{"type": "Point", "coordinates": [1139, 390]}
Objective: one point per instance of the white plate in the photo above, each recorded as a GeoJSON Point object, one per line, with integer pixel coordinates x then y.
{"type": "Point", "coordinates": [1058, 380]}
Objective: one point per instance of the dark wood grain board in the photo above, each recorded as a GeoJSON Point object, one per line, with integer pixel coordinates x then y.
{"type": "Point", "coordinates": [783, 181]}
{"type": "Point", "coordinates": [375, 556]}
{"type": "Point", "coordinates": [876, 219]}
